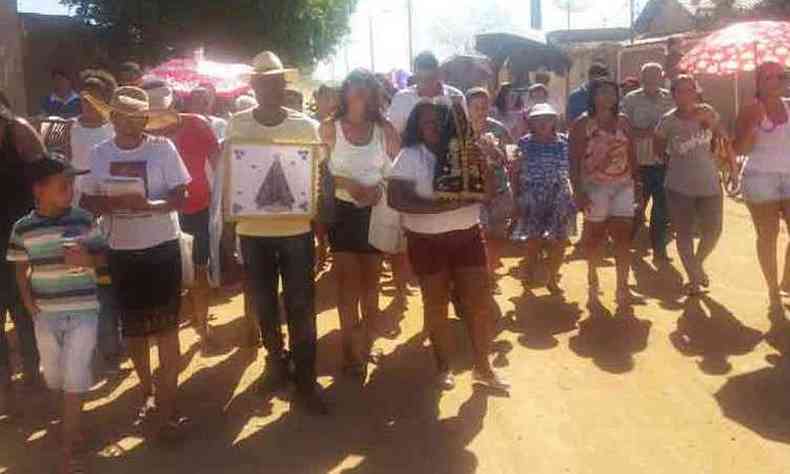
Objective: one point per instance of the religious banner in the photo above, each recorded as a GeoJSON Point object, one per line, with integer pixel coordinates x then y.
{"type": "Point", "coordinates": [273, 179]}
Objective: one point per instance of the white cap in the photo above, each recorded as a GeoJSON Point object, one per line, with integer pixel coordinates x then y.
{"type": "Point", "coordinates": [542, 110]}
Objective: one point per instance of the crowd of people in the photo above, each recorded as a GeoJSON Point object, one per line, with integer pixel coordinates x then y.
{"type": "Point", "coordinates": [93, 233]}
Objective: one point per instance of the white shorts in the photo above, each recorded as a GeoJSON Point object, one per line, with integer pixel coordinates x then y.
{"type": "Point", "coordinates": [760, 187]}
{"type": "Point", "coordinates": [609, 200]}
{"type": "Point", "coordinates": [66, 344]}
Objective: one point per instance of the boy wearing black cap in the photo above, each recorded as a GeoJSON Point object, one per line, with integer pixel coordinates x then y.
{"type": "Point", "coordinates": [58, 287]}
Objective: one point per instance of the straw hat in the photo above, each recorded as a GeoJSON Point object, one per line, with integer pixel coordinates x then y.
{"type": "Point", "coordinates": [269, 64]}
{"type": "Point", "coordinates": [134, 101]}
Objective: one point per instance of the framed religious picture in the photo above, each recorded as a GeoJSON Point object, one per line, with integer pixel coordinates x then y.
{"type": "Point", "coordinates": [273, 179]}
{"type": "Point", "coordinates": [460, 173]}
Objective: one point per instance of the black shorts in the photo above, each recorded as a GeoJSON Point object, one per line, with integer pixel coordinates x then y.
{"type": "Point", "coordinates": [349, 230]}
{"type": "Point", "coordinates": [147, 285]}
{"type": "Point", "coordinates": [197, 225]}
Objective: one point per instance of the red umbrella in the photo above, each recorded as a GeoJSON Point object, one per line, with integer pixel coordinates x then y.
{"type": "Point", "coordinates": [185, 74]}
{"type": "Point", "coordinates": [740, 47]}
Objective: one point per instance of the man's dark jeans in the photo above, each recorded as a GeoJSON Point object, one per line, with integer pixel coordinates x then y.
{"type": "Point", "coordinates": [266, 259]}
{"type": "Point", "coordinates": [10, 303]}
{"type": "Point", "coordinates": [653, 188]}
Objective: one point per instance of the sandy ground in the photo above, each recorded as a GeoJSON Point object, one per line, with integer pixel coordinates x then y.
{"type": "Point", "coordinates": [682, 387]}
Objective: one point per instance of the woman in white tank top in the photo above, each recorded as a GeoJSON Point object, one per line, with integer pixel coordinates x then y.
{"type": "Point", "coordinates": [763, 132]}
{"type": "Point", "coordinates": [363, 143]}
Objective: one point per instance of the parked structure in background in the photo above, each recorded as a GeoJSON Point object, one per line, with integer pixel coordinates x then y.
{"type": "Point", "coordinates": [11, 56]}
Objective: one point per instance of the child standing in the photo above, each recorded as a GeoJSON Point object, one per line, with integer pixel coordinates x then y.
{"type": "Point", "coordinates": [543, 192]}
{"type": "Point", "coordinates": [58, 287]}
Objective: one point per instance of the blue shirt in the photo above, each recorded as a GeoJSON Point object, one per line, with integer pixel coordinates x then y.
{"type": "Point", "coordinates": [52, 105]}
{"type": "Point", "coordinates": [578, 102]}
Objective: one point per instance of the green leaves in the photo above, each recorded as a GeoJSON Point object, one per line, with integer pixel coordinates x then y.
{"type": "Point", "coordinates": [302, 32]}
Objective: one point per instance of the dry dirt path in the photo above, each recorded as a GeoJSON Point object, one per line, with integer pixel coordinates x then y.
{"type": "Point", "coordinates": [682, 387]}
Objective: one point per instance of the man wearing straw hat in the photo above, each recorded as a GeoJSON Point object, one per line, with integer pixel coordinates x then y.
{"type": "Point", "coordinates": [139, 184]}
{"type": "Point", "coordinates": [279, 247]}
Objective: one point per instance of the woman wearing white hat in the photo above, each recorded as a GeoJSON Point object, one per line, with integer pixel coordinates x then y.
{"type": "Point", "coordinates": [543, 191]}
{"type": "Point", "coordinates": [144, 258]}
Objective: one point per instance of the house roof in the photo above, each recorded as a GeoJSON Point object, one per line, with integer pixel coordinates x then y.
{"type": "Point", "coordinates": [692, 7]}
{"type": "Point", "coordinates": [597, 35]}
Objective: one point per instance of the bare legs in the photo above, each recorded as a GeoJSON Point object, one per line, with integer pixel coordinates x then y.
{"type": "Point", "coordinates": [358, 300]}
{"type": "Point", "coordinates": [471, 287]}
{"type": "Point", "coordinates": [199, 301]}
{"type": "Point", "coordinates": [765, 217]}
{"type": "Point", "coordinates": [400, 275]}
{"type": "Point", "coordinates": [71, 426]}
{"type": "Point", "coordinates": [556, 254]}
{"type": "Point", "coordinates": [619, 229]}
{"type": "Point", "coordinates": [167, 375]}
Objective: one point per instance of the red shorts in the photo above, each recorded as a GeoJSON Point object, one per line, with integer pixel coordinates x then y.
{"type": "Point", "coordinates": [432, 253]}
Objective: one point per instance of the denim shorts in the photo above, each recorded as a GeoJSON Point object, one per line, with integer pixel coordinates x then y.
{"type": "Point", "coordinates": [66, 345]}
{"type": "Point", "coordinates": [609, 200]}
{"type": "Point", "coordinates": [759, 187]}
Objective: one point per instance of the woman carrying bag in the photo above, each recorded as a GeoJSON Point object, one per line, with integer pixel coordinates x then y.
{"type": "Point", "coordinates": [362, 144]}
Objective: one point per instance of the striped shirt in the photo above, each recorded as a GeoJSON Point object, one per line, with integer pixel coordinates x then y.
{"type": "Point", "coordinates": [57, 288]}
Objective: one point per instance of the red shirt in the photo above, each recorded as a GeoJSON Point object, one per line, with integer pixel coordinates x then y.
{"type": "Point", "coordinates": [196, 142]}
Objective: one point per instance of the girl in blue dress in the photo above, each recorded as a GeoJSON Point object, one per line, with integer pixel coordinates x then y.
{"type": "Point", "coordinates": [543, 192]}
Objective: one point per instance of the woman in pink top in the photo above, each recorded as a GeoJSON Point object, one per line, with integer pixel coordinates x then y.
{"type": "Point", "coordinates": [602, 171]}
{"type": "Point", "coordinates": [762, 131]}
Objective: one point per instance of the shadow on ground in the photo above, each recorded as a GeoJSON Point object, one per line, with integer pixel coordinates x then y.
{"type": "Point", "coordinates": [713, 336]}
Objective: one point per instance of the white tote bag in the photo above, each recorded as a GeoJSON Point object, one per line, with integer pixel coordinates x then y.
{"type": "Point", "coordinates": [385, 233]}
{"type": "Point", "coordinates": [185, 242]}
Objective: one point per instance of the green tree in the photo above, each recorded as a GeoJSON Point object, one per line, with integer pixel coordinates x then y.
{"type": "Point", "coordinates": [302, 32]}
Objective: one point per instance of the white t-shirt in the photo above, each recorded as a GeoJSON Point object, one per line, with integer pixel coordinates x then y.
{"type": "Point", "coordinates": [417, 165]}
{"type": "Point", "coordinates": [404, 102]}
{"type": "Point", "coordinates": [157, 162]}
{"type": "Point", "coordinates": [83, 139]}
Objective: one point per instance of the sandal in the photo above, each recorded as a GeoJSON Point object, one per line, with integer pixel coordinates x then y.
{"type": "Point", "coordinates": [554, 287]}
{"type": "Point", "coordinates": [692, 289]}
{"type": "Point", "coordinates": [146, 411]}
{"type": "Point", "coordinates": [356, 371]}
{"type": "Point", "coordinates": [173, 430]}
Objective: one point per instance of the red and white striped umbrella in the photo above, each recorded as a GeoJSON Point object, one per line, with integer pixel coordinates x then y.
{"type": "Point", "coordinates": [740, 47]}
{"type": "Point", "coordinates": [185, 74]}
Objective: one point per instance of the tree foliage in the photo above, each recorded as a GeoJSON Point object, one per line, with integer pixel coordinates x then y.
{"type": "Point", "coordinates": [726, 11]}
{"type": "Point", "coordinates": [302, 32]}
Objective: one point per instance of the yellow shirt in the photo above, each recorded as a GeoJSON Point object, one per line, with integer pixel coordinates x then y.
{"type": "Point", "coordinates": [295, 127]}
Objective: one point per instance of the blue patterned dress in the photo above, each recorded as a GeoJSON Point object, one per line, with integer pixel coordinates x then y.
{"type": "Point", "coordinates": [545, 199]}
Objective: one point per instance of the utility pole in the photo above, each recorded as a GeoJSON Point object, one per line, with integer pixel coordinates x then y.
{"type": "Point", "coordinates": [372, 44]}
{"type": "Point", "coordinates": [410, 12]}
{"type": "Point", "coordinates": [631, 6]}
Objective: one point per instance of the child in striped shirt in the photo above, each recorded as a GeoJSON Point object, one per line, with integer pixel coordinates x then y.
{"type": "Point", "coordinates": [58, 287]}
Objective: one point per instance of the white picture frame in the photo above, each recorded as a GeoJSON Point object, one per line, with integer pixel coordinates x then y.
{"type": "Point", "coordinates": [273, 179]}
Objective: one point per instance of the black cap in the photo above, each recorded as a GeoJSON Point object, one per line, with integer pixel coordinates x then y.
{"type": "Point", "coordinates": [50, 164]}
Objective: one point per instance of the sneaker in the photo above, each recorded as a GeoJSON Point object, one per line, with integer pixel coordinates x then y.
{"type": "Point", "coordinates": [312, 401]}
{"type": "Point", "coordinates": [490, 380]}
{"type": "Point", "coordinates": [446, 380]}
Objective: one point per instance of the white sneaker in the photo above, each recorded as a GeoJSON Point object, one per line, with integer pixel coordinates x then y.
{"type": "Point", "coordinates": [493, 381]}
{"type": "Point", "coordinates": [446, 380]}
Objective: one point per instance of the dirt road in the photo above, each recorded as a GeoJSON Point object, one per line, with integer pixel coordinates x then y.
{"type": "Point", "coordinates": [682, 387]}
